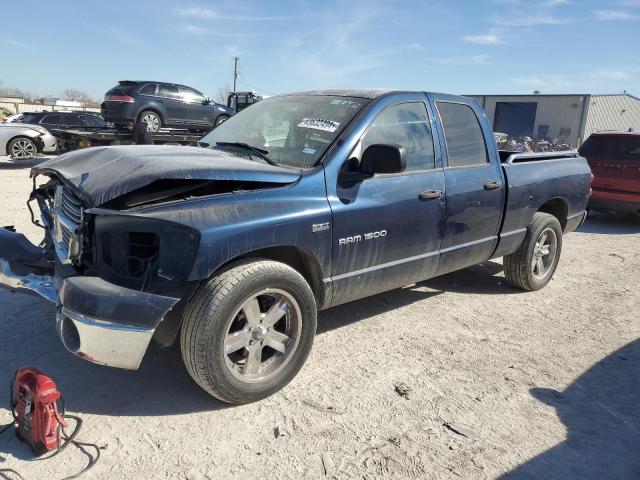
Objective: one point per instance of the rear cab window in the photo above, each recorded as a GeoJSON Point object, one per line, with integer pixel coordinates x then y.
{"type": "Point", "coordinates": [611, 148]}
{"type": "Point", "coordinates": [464, 139]}
{"type": "Point", "coordinates": [407, 125]}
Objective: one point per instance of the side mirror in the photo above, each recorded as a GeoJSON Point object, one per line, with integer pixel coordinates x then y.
{"type": "Point", "coordinates": [383, 158]}
{"type": "Point", "coordinates": [207, 101]}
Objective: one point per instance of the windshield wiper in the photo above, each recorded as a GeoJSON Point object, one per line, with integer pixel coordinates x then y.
{"type": "Point", "coordinates": [258, 151]}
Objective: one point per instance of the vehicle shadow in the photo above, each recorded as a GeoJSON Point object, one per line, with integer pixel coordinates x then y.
{"type": "Point", "coordinates": [7, 164]}
{"type": "Point", "coordinates": [162, 385]}
{"type": "Point", "coordinates": [481, 278]}
{"type": "Point", "coordinates": [601, 412]}
{"type": "Point", "coordinates": [611, 224]}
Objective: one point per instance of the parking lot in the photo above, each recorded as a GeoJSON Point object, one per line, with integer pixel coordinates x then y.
{"type": "Point", "coordinates": [533, 385]}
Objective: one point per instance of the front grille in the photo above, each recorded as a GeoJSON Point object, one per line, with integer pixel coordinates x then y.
{"type": "Point", "coordinates": [67, 220]}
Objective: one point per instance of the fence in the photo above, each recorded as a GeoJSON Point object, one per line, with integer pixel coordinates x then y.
{"type": "Point", "coordinates": [36, 107]}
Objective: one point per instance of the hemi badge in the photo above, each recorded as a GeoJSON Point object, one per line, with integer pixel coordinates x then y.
{"type": "Point", "coordinates": [320, 227]}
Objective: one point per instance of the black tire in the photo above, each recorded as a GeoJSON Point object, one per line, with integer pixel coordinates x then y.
{"type": "Point", "coordinates": [22, 148]}
{"type": "Point", "coordinates": [220, 120]}
{"type": "Point", "coordinates": [519, 269]}
{"type": "Point", "coordinates": [146, 116]}
{"type": "Point", "coordinates": [214, 310]}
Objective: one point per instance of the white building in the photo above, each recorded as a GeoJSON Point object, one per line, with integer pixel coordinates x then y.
{"type": "Point", "coordinates": [569, 118]}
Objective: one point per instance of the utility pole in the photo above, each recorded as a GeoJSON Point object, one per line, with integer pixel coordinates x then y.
{"type": "Point", "coordinates": [235, 73]}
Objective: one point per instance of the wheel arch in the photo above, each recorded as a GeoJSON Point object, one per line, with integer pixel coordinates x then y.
{"type": "Point", "coordinates": [151, 109]}
{"type": "Point", "coordinates": [301, 260]}
{"type": "Point", "coordinates": [15, 137]}
{"type": "Point", "coordinates": [558, 207]}
{"type": "Point", "coordinates": [304, 262]}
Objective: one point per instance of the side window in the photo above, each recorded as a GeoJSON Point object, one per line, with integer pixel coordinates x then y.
{"type": "Point", "coordinates": [71, 120]}
{"type": "Point", "coordinates": [50, 120]}
{"type": "Point", "coordinates": [192, 96]}
{"type": "Point", "coordinates": [148, 89]}
{"type": "Point", "coordinates": [406, 124]}
{"type": "Point", "coordinates": [169, 91]}
{"type": "Point", "coordinates": [92, 121]}
{"type": "Point", "coordinates": [463, 135]}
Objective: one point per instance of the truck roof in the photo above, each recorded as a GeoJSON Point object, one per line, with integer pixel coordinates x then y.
{"type": "Point", "coordinates": [369, 93]}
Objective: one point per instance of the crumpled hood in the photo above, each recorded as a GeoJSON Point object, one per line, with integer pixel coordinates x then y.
{"type": "Point", "coordinates": [100, 174]}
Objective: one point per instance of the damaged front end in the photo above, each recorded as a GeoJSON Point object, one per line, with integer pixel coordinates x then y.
{"type": "Point", "coordinates": [99, 318]}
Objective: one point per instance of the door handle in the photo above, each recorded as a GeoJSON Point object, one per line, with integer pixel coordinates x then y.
{"type": "Point", "coordinates": [492, 185]}
{"type": "Point", "coordinates": [430, 194]}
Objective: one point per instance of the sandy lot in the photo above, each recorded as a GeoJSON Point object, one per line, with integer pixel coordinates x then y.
{"type": "Point", "coordinates": [546, 383]}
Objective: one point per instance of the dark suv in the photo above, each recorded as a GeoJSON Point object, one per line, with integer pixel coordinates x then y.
{"type": "Point", "coordinates": [55, 121]}
{"type": "Point", "coordinates": [160, 105]}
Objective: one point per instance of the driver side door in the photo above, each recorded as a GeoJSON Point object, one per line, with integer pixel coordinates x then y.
{"type": "Point", "coordinates": [387, 229]}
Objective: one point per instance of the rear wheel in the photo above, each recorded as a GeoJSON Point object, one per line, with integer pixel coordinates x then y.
{"type": "Point", "coordinates": [22, 148]}
{"type": "Point", "coordinates": [248, 331]}
{"type": "Point", "coordinates": [151, 120]}
{"type": "Point", "coordinates": [534, 263]}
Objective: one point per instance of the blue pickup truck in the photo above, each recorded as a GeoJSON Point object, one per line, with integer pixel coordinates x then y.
{"type": "Point", "coordinates": [298, 203]}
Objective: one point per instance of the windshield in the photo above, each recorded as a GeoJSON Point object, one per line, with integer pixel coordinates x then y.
{"type": "Point", "coordinates": [295, 130]}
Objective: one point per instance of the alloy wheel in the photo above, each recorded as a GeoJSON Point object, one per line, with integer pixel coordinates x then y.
{"type": "Point", "coordinates": [262, 336]}
{"type": "Point", "coordinates": [23, 149]}
{"type": "Point", "coordinates": [544, 253]}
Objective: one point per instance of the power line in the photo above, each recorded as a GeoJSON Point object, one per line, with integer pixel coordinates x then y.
{"type": "Point", "coordinates": [257, 88]}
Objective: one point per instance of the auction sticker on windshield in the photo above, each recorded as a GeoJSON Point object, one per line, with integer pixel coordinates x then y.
{"type": "Point", "coordinates": [319, 124]}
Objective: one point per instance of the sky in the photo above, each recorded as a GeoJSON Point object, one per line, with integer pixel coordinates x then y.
{"type": "Point", "coordinates": [462, 47]}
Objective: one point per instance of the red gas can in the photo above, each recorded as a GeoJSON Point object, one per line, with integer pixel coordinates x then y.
{"type": "Point", "coordinates": [34, 401]}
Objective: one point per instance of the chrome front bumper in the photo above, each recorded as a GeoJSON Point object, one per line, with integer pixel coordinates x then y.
{"type": "Point", "coordinates": [96, 320]}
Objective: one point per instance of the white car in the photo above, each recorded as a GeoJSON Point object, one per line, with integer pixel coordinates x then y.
{"type": "Point", "coordinates": [22, 141]}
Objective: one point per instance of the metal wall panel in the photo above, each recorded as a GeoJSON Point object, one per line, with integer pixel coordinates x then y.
{"type": "Point", "coordinates": [561, 113]}
{"type": "Point", "coordinates": [612, 112]}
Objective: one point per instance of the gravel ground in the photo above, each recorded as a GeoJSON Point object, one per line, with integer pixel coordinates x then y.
{"type": "Point", "coordinates": [538, 385]}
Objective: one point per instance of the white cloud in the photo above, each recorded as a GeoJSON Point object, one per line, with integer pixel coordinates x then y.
{"type": "Point", "coordinates": [197, 12]}
{"type": "Point", "coordinates": [490, 38]}
{"type": "Point", "coordinates": [196, 29]}
{"type": "Point", "coordinates": [203, 13]}
{"type": "Point", "coordinates": [543, 82]}
{"type": "Point", "coordinates": [480, 59]}
{"type": "Point", "coordinates": [612, 74]}
{"type": "Point", "coordinates": [512, 19]}
{"type": "Point", "coordinates": [15, 43]}
{"type": "Point", "coordinates": [614, 15]}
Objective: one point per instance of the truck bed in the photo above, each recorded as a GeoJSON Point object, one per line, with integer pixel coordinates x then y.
{"type": "Point", "coordinates": [558, 179]}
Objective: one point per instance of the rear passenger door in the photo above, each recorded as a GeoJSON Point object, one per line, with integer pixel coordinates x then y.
{"type": "Point", "coordinates": [173, 105]}
{"type": "Point", "coordinates": [473, 184]}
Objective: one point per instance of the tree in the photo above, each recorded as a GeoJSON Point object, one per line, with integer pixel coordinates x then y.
{"type": "Point", "coordinates": [14, 92]}
{"type": "Point", "coordinates": [222, 93]}
{"type": "Point", "coordinates": [80, 96]}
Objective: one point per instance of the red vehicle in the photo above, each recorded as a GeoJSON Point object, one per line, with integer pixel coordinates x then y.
{"type": "Point", "coordinates": [614, 158]}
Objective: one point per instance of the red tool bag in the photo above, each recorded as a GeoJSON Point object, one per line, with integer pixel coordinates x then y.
{"type": "Point", "coordinates": [35, 410]}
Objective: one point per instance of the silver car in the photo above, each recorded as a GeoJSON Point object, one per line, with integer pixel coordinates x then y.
{"type": "Point", "coordinates": [22, 141]}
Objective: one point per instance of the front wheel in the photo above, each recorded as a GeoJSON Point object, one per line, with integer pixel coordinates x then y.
{"type": "Point", "coordinates": [22, 148]}
{"type": "Point", "coordinates": [248, 331]}
{"type": "Point", "coordinates": [220, 120]}
{"type": "Point", "coordinates": [534, 263]}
